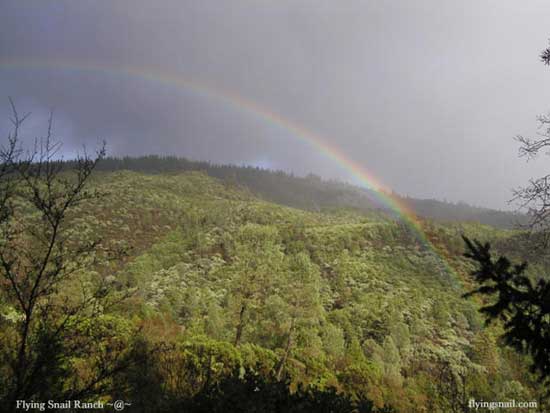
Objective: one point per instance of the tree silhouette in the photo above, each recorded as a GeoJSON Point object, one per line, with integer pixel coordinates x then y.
{"type": "Point", "coordinates": [522, 304]}
{"type": "Point", "coordinates": [536, 195]}
{"type": "Point", "coordinates": [42, 247]}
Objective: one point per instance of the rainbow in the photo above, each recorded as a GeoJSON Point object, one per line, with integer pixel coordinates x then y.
{"type": "Point", "coordinates": [249, 107]}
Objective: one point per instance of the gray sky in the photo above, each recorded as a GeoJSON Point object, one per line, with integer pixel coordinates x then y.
{"type": "Point", "coordinates": [425, 95]}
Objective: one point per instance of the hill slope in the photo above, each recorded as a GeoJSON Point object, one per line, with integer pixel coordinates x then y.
{"type": "Point", "coordinates": [229, 285]}
{"type": "Point", "coordinates": [342, 298]}
{"type": "Point", "coordinates": [313, 193]}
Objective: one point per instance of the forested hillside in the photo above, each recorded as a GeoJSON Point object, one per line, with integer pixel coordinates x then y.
{"type": "Point", "coordinates": [311, 192]}
{"type": "Point", "coordinates": [218, 289]}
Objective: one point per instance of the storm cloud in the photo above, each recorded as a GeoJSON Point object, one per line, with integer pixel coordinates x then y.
{"type": "Point", "coordinates": [426, 95]}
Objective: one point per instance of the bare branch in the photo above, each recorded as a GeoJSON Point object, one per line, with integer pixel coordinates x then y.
{"type": "Point", "coordinates": [39, 250]}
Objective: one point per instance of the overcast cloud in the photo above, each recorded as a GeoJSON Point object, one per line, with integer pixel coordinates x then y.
{"type": "Point", "coordinates": [426, 95]}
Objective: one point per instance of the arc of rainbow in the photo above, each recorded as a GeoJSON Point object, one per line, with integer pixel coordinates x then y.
{"type": "Point", "coordinates": [396, 205]}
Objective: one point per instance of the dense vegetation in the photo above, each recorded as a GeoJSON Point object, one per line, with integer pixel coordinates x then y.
{"type": "Point", "coordinates": [223, 298]}
{"type": "Point", "coordinates": [311, 192]}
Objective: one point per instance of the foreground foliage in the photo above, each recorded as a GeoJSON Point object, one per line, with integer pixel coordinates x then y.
{"type": "Point", "coordinates": [522, 303]}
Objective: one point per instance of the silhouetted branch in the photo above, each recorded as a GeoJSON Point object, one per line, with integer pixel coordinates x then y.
{"type": "Point", "coordinates": [523, 305]}
{"type": "Point", "coordinates": [40, 248]}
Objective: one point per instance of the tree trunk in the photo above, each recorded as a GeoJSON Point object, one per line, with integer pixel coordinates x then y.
{"type": "Point", "coordinates": [284, 358]}
{"type": "Point", "coordinates": [240, 326]}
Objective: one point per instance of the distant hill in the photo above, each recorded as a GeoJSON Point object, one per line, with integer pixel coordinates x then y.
{"type": "Point", "coordinates": [311, 192]}
{"type": "Point", "coordinates": [461, 211]}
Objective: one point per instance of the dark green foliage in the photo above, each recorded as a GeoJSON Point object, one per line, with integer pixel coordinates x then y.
{"type": "Point", "coordinates": [256, 394]}
{"type": "Point", "coordinates": [520, 302]}
{"type": "Point", "coordinates": [217, 377]}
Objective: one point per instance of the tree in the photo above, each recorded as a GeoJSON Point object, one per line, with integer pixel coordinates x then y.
{"type": "Point", "coordinates": [522, 304]}
{"type": "Point", "coordinates": [536, 195]}
{"type": "Point", "coordinates": [300, 287]}
{"type": "Point", "coordinates": [257, 260]}
{"type": "Point", "coordinates": [43, 253]}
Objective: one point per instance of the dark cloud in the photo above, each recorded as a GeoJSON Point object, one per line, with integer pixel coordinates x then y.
{"type": "Point", "coordinates": [426, 95]}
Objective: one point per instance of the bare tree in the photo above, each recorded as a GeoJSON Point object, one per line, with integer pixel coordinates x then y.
{"type": "Point", "coordinates": [535, 196]}
{"type": "Point", "coordinates": [42, 250]}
